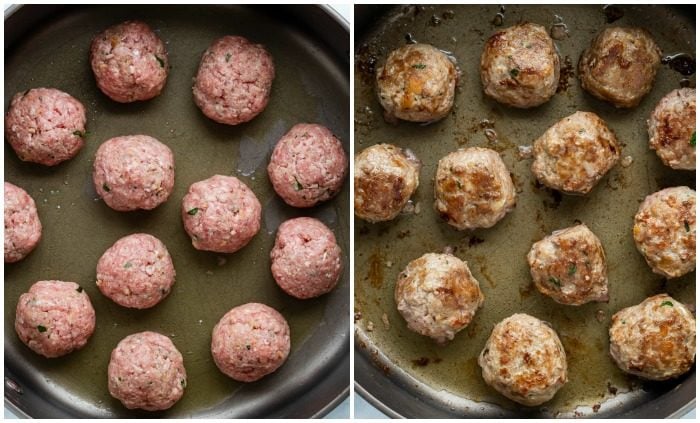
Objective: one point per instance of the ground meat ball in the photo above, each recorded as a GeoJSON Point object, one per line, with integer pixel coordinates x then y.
{"type": "Point", "coordinates": [664, 231]}
{"type": "Point", "coordinates": [473, 188]}
{"type": "Point", "coordinates": [672, 129]}
{"type": "Point", "coordinates": [417, 83]}
{"type": "Point", "coordinates": [655, 339]}
{"type": "Point", "coordinates": [45, 126]}
{"type": "Point", "coordinates": [250, 341]}
{"type": "Point", "coordinates": [569, 266]}
{"type": "Point", "coordinates": [306, 258]}
{"type": "Point", "coordinates": [22, 224]}
{"type": "Point", "coordinates": [136, 271]}
{"type": "Point", "coordinates": [146, 371]}
{"type": "Point", "coordinates": [524, 360]}
{"type": "Point", "coordinates": [221, 214]}
{"type": "Point", "coordinates": [437, 296]}
{"type": "Point", "coordinates": [54, 318]}
{"type": "Point", "coordinates": [308, 165]}
{"type": "Point", "coordinates": [129, 61]}
{"type": "Point", "coordinates": [575, 153]}
{"type": "Point", "coordinates": [620, 66]}
{"type": "Point", "coordinates": [134, 172]}
{"type": "Point", "coordinates": [385, 179]}
{"type": "Point", "coordinates": [234, 80]}
{"type": "Point", "coordinates": [520, 66]}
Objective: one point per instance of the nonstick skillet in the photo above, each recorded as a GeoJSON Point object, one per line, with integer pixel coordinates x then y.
{"type": "Point", "coordinates": [405, 374]}
{"type": "Point", "coordinates": [48, 46]}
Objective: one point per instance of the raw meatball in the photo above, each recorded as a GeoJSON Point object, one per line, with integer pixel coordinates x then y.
{"type": "Point", "coordinates": [306, 258]}
{"type": "Point", "coordinates": [655, 339]}
{"type": "Point", "coordinates": [520, 66]}
{"type": "Point", "coordinates": [45, 126]}
{"type": "Point", "coordinates": [54, 318]}
{"type": "Point", "coordinates": [129, 61]}
{"type": "Point", "coordinates": [672, 129]}
{"type": "Point", "coordinates": [308, 165]}
{"type": "Point", "coordinates": [664, 231]}
{"type": "Point", "coordinates": [524, 360]}
{"type": "Point", "coordinates": [620, 66]}
{"type": "Point", "coordinates": [385, 179]}
{"type": "Point", "coordinates": [221, 214]}
{"type": "Point", "coordinates": [146, 371]}
{"type": "Point", "coordinates": [437, 296]}
{"type": "Point", "coordinates": [575, 153]}
{"type": "Point", "coordinates": [417, 83]}
{"type": "Point", "coordinates": [136, 271]}
{"type": "Point", "coordinates": [473, 188]}
{"type": "Point", "coordinates": [250, 341]}
{"type": "Point", "coordinates": [22, 224]}
{"type": "Point", "coordinates": [234, 80]}
{"type": "Point", "coordinates": [569, 266]}
{"type": "Point", "coordinates": [134, 172]}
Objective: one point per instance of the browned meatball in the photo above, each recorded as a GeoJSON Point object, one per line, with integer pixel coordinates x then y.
{"type": "Point", "coordinates": [473, 188]}
{"type": "Point", "coordinates": [655, 339]}
{"type": "Point", "coordinates": [417, 83]}
{"type": "Point", "coordinates": [520, 66]}
{"type": "Point", "coordinates": [524, 360]}
{"type": "Point", "coordinates": [672, 129]}
{"type": "Point", "coordinates": [620, 66]}
{"type": "Point", "coordinates": [575, 153]}
{"type": "Point", "coordinates": [385, 178]}
{"type": "Point", "coordinates": [569, 266]}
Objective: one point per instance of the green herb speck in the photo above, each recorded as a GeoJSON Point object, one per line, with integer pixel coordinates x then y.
{"type": "Point", "coordinates": [79, 134]}
{"type": "Point", "coordinates": [193, 211]}
{"type": "Point", "coordinates": [692, 139]}
{"type": "Point", "coordinates": [667, 304]}
{"type": "Point", "coordinates": [419, 66]}
{"type": "Point", "coordinates": [247, 346]}
{"type": "Point", "coordinates": [572, 269]}
{"type": "Point", "coordinates": [105, 187]}
{"type": "Point", "coordinates": [297, 185]}
{"type": "Point", "coordinates": [183, 383]}
{"type": "Point", "coordinates": [79, 288]}
{"type": "Point", "coordinates": [514, 72]}
{"type": "Point", "coordinates": [554, 281]}
{"type": "Point", "coordinates": [228, 56]}
{"type": "Point", "coordinates": [687, 225]}
{"type": "Point", "coordinates": [41, 329]}
{"type": "Point", "coordinates": [127, 265]}
{"type": "Point", "coordinates": [162, 63]}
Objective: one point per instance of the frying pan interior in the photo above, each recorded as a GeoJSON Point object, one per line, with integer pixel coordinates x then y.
{"type": "Point", "coordinates": [405, 374]}
{"type": "Point", "coordinates": [48, 46]}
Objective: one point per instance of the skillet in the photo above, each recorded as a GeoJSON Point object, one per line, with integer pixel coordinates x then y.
{"type": "Point", "coordinates": [407, 375]}
{"type": "Point", "coordinates": [48, 46]}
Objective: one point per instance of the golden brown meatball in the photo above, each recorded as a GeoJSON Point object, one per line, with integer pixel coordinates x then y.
{"type": "Point", "coordinates": [385, 178]}
{"type": "Point", "coordinates": [664, 231]}
{"type": "Point", "coordinates": [620, 66]}
{"type": "Point", "coordinates": [672, 129]}
{"type": "Point", "coordinates": [569, 266]}
{"type": "Point", "coordinates": [438, 296]}
{"type": "Point", "coordinates": [473, 188]}
{"type": "Point", "coordinates": [524, 360]}
{"type": "Point", "coordinates": [655, 339]}
{"type": "Point", "coordinates": [575, 153]}
{"type": "Point", "coordinates": [520, 66]}
{"type": "Point", "coordinates": [417, 83]}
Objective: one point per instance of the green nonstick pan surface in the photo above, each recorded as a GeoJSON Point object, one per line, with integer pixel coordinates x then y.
{"type": "Point", "coordinates": [406, 374]}
{"type": "Point", "coordinates": [48, 47]}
